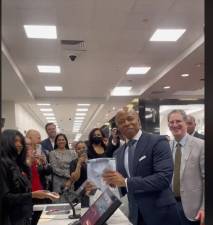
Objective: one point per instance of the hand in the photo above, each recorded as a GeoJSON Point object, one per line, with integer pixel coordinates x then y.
{"type": "Point", "coordinates": [114, 178]}
{"type": "Point", "coordinates": [42, 194]}
{"type": "Point", "coordinates": [89, 188]}
{"type": "Point", "coordinates": [74, 177]}
{"type": "Point", "coordinates": [40, 159]}
{"type": "Point", "coordinates": [201, 216]}
{"type": "Point", "coordinates": [82, 159]}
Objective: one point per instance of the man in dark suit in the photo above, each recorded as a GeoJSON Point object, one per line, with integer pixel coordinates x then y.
{"type": "Point", "coordinates": [144, 172]}
{"type": "Point", "coordinates": [48, 143]}
{"type": "Point", "coordinates": [191, 124]}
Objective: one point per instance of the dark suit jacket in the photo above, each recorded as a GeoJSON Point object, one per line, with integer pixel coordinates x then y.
{"type": "Point", "coordinates": [149, 193]}
{"type": "Point", "coordinates": [46, 144]}
{"type": "Point", "coordinates": [198, 135]}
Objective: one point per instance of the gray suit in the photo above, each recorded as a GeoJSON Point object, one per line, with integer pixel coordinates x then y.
{"type": "Point", "coordinates": [192, 176]}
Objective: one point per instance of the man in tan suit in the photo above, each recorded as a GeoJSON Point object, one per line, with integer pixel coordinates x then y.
{"type": "Point", "coordinates": [188, 178]}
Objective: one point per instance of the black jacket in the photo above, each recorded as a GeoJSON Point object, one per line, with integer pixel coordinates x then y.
{"type": "Point", "coordinates": [17, 197]}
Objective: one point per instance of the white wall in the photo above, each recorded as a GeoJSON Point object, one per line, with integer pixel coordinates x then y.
{"type": "Point", "coordinates": [8, 112]}
{"type": "Point", "coordinates": [25, 121]}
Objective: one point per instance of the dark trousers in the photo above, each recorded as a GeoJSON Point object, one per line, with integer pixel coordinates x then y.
{"type": "Point", "coordinates": [184, 220]}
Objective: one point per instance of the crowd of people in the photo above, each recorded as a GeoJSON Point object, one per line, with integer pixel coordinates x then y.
{"type": "Point", "coordinates": [164, 180]}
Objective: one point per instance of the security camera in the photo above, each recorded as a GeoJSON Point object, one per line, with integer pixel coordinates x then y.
{"type": "Point", "coordinates": [72, 57]}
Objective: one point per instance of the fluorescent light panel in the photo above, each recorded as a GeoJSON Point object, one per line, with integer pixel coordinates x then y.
{"type": "Point", "coordinates": [84, 104]}
{"type": "Point", "coordinates": [79, 118]}
{"type": "Point", "coordinates": [121, 91]}
{"type": "Point", "coordinates": [80, 114]}
{"type": "Point", "coordinates": [167, 34]}
{"type": "Point", "coordinates": [43, 104]}
{"type": "Point", "coordinates": [137, 70]}
{"type": "Point", "coordinates": [51, 121]}
{"type": "Point", "coordinates": [82, 110]}
{"type": "Point", "coordinates": [48, 114]}
{"type": "Point", "coordinates": [53, 88]}
{"type": "Point", "coordinates": [46, 110]}
{"type": "Point", "coordinates": [50, 118]}
{"type": "Point", "coordinates": [48, 69]}
{"type": "Point", "coordinates": [39, 31]}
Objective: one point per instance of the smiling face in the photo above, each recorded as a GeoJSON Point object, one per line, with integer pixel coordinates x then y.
{"type": "Point", "coordinates": [61, 142]}
{"type": "Point", "coordinates": [128, 123]}
{"type": "Point", "coordinates": [177, 125]}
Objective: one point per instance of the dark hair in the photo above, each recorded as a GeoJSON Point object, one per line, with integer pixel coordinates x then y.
{"type": "Point", "coordinates": [56, 138]}
{"type": "Point", "coordinates": [91, 134]}
{"type": "Point", "coordinates": [48, 124]}
{"type": "Point", "coordinates": [79, 142]}
{"type": "Point", "coordinates": [9, 152]}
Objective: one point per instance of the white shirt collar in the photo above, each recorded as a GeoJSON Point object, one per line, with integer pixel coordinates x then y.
{"type": "Point", "coordinates": [136, 137]}
{"type": "Point", "coordinates": [183, 140]}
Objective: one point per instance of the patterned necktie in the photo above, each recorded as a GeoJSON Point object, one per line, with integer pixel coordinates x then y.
{"type": "Point", "coordinates": [131, 149]}
{"type": "Point", "coordinates": [176, 178]}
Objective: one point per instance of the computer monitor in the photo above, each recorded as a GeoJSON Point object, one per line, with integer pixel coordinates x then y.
{"type": "Point", "coordinates": [101, 209]}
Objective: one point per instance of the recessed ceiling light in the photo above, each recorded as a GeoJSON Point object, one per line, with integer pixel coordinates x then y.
{"type": "Point", "coordinates": [37, 31]}
{"type": "Point", "coordinates": [48, 114]}
{"type": "Point", "coordinates": [50, 118]}
{"type": "Point", "coordinates": [166, 87]}
{"type": "Point", "coordinates": [84, 104]}
{"type": "Point", "coordinates": [137, 70]}
{"type": "Point", "coordinates": [46, 110]}
{"type": "Point", "coordinates": [121, 91]}
{"type": "Point", "coordinates": [53, 88]}
{"type": "Point", "coordinates": [82, 110]}
{"type": "Point", "coordinates": [43, 104]}
{"type": "Point", "coordinates": [167, 34]}
{"type": "Point", "coordinates": [80, 114]}
{"type": "Point", "coordinates": [48, 69]}
{"type": "Point", "coordinates": [185, 75]}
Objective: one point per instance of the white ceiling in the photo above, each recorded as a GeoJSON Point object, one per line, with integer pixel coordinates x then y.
{"type": "Point", "coordinates": [116, 35]}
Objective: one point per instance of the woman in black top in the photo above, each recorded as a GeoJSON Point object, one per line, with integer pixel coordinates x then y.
{"type": "Point", "coordinates": [78, 170]}
{"type": "Point", "coordinates": [96, 146]}
{"type": "Point", "coordinates": [17, 196]}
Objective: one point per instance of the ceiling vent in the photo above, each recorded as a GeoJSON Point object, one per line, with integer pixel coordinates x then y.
{"type": "Point", "coordinates": [74, 45]}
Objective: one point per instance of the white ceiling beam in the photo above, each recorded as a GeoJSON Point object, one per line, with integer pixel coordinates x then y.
{"type": "Point", "coordinates": [15, 68]}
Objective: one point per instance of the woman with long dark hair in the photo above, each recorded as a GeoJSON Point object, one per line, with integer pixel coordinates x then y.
{"type": "Point", "coordinates": [60, 159]}
{"type": "Point", "coordinates": [96, 146]}
{"type": "Point", "coordinates": [17, 196]}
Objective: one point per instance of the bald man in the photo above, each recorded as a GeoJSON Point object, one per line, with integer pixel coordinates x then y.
{"type": "Point", "coordinates": [144, 172]}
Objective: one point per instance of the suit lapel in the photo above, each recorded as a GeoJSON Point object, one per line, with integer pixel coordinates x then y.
{"type": "Point", "coordinates": [120, 160]}
{"type": "Point", "coordinates": [187, 150]}
{"type": "Point", "coordinates": [139, 151]}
